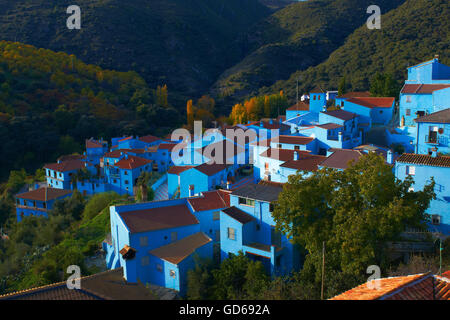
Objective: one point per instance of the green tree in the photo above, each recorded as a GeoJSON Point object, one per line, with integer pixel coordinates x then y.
{"type": "Point", "coordinates": [355, 212]}
{"type": "Point", "coordinates": [342, 88]}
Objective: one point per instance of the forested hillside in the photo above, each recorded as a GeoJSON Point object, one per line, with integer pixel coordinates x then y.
{"type": "Point", "coordinates": [412, 33]}
{"type": "Point", "coordinates": [294, 38]}
{"type": "Point", "coordinates": [185, 44]}
{"type": "Point", "coordinates": [51, 102]}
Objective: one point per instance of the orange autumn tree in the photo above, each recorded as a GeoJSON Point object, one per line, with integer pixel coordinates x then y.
{"type": "Point", "coordinates": [190, 113]}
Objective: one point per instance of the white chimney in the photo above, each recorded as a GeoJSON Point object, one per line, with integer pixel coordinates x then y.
{"type": "Point", "coordinates": [389, 157]}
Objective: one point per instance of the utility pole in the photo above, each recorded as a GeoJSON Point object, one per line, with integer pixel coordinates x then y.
{"type": "Point", "coordinates": [440, 256]}
{"type": "Point", "coordinates": [323, 268]}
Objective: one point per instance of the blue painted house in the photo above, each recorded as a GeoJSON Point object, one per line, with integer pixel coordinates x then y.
{"type": "Point", "coordinates": [318, 100]}
{"type": "Point", "coordinates": [433, 132]}
{"type": "Point", "coordinates": [38, 202]}
{"type": "Point", "coordinates": [422, 167]}
{"type": "Point", "coordinates": [95, 149]}
{"type": "Point", "coordinates": [372, 110]}
{"type": "Point", "coordinates": [298, 109]}
{"type": "Point", "coordinates": [340, 100]}
{"type": "Point", "coordinates": [427, 90]}
{"type": "Point", "coordinates": [248, 226]}
{"type": "Point", "coordinates": [59, 175]}
{"type": "Point", "coordinates": [205, 177]}
{"type": "Point", "coordinates": [122, 176]}
{"type": "Point", "coordinates": [156, 242]}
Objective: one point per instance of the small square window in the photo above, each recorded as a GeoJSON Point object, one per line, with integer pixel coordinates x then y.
{"type": "Point", "coordinates": [408, 112]}
{"type": "Point", "coordinates": [410, 170]}
{"type": "Point", "coordinates": [216, 215]}
{"type": "Point", "coordinates": [435, 219]}
{"type": "Point", "coordinates": [159, 267]}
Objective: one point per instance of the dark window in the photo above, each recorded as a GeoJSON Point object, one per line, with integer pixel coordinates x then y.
{"type": "Point", "coordinates": [408, 112]}
{"type": "Point", "coordinates": [271, 207]}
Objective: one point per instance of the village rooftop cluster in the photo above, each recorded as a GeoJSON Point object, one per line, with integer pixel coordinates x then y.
{"type": "Point", "coordinates": [214, 210]}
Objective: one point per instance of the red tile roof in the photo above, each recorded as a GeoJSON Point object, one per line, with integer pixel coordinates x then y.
{"type": "Point", "coordinates": [178, 169]}
{"type": "Point", "coordinates": [158, 218]}
{"type": "Point", "coordinates": [442, 116]}
{"type": "Point", "coordinates": [107, 285]}
{"type": "Point", "coordinates": [178, 251]}
{"type": "Point", "coordinates": [65, 166]}
{"type": "Point", "coordinates": [167, 146]}
{"type": "Point", "coordinates": [423, 88]}
{"type": "Point", "coordinates": [44, 194]}
{"type": "Point", "coordinates": [224, 147]}
{"type": "Point", "coordinates": [149, 139]}
{"type": "Point", "coordinates": [341, 114]}
{"type": "Point", "coordinates": [425, 159]}
{"type": "Point", "coordinates": [116, 153]}
{"type": "Point", "coordinates": [132, 162]}
{"type": "Point", "coordinates": [124, 139]}
{"type": "Point", "coordinates": [329, 126]}
{"type": "Point", "coordinates": [210, 168]}
{"type": "Point", "coordinates": [282, 154]}
{"type": "Point", "coordinates": [376, 289]}
{"type": "Point", "coordinates": [300, 106]}
{"type": "Point", "coordinates": [292, 140]}
{"type": "Point", "coordinates": [305, 162]}
{"type": "Point", "coordinates": [341, 158]}
{"type": "Point", "coordinates": [355, 94]}
{"type": "Point", "coordinates": [211, 200]}
{"type": "Point", "coordinates": [412, 287]}
{"type": "Point", "coordinates": [238, 215]}
{"type": "Point", "coordinates": [374, 102]}
{"type": "Point", "coordinates": [93, 144]}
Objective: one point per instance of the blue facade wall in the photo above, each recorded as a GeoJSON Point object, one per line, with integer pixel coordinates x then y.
{"type": "Point", "coordinates": [422, 177]}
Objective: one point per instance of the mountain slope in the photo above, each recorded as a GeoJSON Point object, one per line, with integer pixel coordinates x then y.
{"type": "Point", "coordinates": [185, 44]}
{"type": "Point", "coordinates": [51, 102]}
{"type": "Point", "coordinates": [294, 38]}
{"type": "Point", "coordinates": [410, 34]}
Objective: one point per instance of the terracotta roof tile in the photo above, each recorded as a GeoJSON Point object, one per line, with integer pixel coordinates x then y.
{"type": "Point", "coordinates": [292, 139]}
{"type": "Point", "coordinates": [355, 94]}
{"type": "Point", "coordinates": [238, 215]}
{"type": "Point", "coordinates": [329, 126]}
{"type": "Point", "coordinates": [341, 114]}
{"type": "Point", "coordinates": [423, 88]}
{"type": "Point", "coordinates": [65, 166]}
{"type": "Point", "coordinates": [149, 139]}
{"type": "Point", "coordinates": [132, 162]}
{"type": "Point", "coordinates": [158, 218]}
{"type": "Point", "coordinates": [300, 106]}
{"type": "Point", "coordinates": [108, 285]}
{"type": "Point", "coordinates": [305, 163]}
{"type": "Point", "coordinates": [178, 169]}
{"type": "Point", "coordinates": [282, 154]}
{"type": "Point", "coordinates": [178, 251]}
{"type": "Point", "coordinates": [370, 291]}
{"type": "Point", "coordinates": [44, 194]}
{"type": "Point", "coordinates": [424, 159]}
{"type": "Point", "coordinates": [340, 158]}
{"type": "Point", "coordinates": [90, 143]}
{"type": "Point", "coordinates": [211, 200]}
{"type": "Point", "coordinates": [210, 168]}
{"type": "Point", "coordinates": [442, 116]}
{"type": "Point", "coordinates": [373, 102]}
